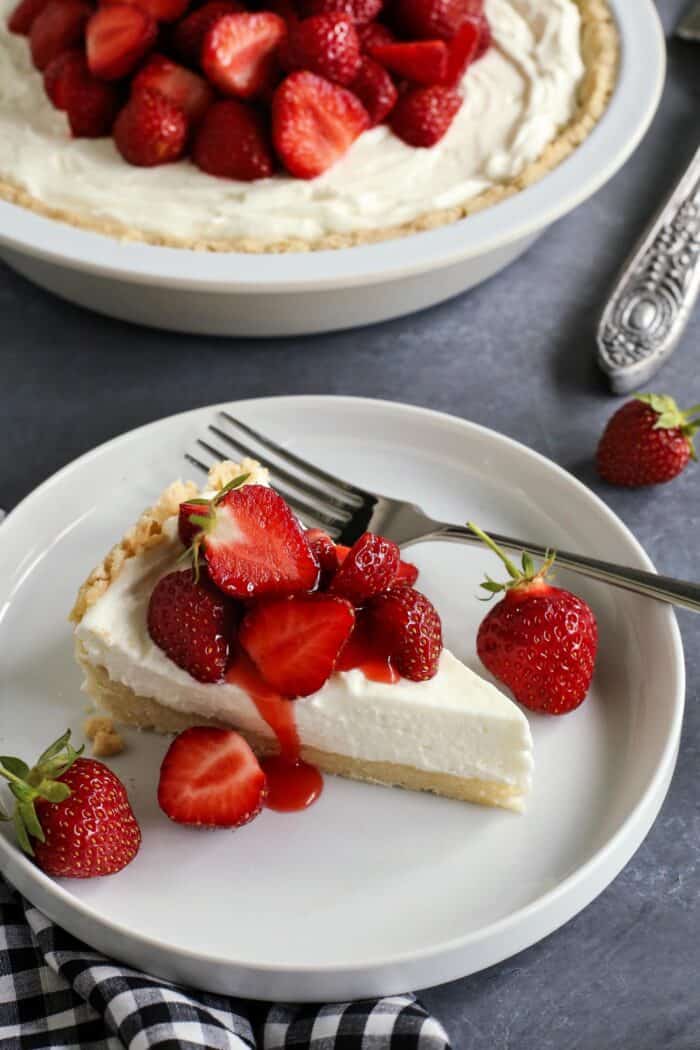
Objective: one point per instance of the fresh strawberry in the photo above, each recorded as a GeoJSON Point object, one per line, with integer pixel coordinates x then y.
{"type": "Point", "coordinates": [361, 12]}
{"type": "Point", "coordinates": [428, 19]}
{"type": "Point", "coordinates": [327, 45]}
{"type": "Point", "coordinates": [234, 143]}
{"type": "Point", "coordinates": [72, 814]}
{"type": "Point", "coordinates": [341, 552]}
{"type": "Point", "coordinates": [22, 18]}
{"type": "Point", "coordinates": [59, 27]}
{"type": "Point", "coordinates": [324, 551]}
{"type": "Point", "coordinates": [375, 90]}
{"type": "Point", "coordinates": [239, 52]}
{"type": "Point", "coordinates": [192, 622]}
{"type": "Point", "coordinates": [408, 574]}
{"type": "Point", "coordinates": [118, 36]}
{"type": "Point", "coordinates": [407, 626]}
{"type": "Point", "coordinates": [314, 123]}
{"type": "Point", "coordinates": [295, 642]}
{"type": "Point", "coordinates": [370, 568]}
{"type": "Point", "coordinates": [423, 115]}
{"type": "Point", "coordinates": [463, 50]}
{"type": "Point", "coordinates": [188, 35]}
{"type": "Point", "coordinates": [485, 37]}
{"type": "Point", "coordinates": [211, 778]}
{"type": "Point", "coordinates": [70, 67]}
{"type": "Point", "coordinates": [150, 130]}
{"type": "Point", "coordinates": [539, 641]}
{"type": "Point", "coordinates": [91, 104]}
{"type": "Point", "coordinates": [160, 10]}
{"type": "Point", "coordinates": [183, 87]}
{"type": "Point", "coordinates": [422, 62]}
{"type": "Point", "coordinates": [647, 442]}
{"type": "Point", "coordinates": [254, 545]}
{"type": "Point", "coordinates": [373, 35]}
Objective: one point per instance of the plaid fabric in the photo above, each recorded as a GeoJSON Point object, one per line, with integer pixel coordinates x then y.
{"type": "Point", "coordinates": [56, 992]}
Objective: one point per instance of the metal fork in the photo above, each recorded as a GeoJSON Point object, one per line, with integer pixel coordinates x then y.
{"type": "Point", "coordinates": [345, 511]}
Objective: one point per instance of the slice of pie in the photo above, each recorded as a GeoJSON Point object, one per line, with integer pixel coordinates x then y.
{"type": "Point", "coordinates": [377, 697]}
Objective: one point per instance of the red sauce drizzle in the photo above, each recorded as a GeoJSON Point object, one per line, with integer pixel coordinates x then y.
{"type": "Point", "coordinates": [292, 784]}
{"type": "Point", "coordinates": [363, 651]}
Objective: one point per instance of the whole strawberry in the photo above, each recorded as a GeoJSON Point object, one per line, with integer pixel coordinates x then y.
{"type": "Point", "coordinates": [72, 814]}
{"type": "Point", "coordinates": [540, 641]}
{"type": "Point", "coordinates": [647, 442]}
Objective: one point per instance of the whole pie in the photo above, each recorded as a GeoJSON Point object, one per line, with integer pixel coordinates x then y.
{"type": "Point", "coordinates": [324, 658]}
{"type": "Point", "coordinates": [294, 124]}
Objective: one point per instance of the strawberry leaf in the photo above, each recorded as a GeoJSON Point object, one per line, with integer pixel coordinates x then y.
{"type": "Point", "coordinates": [21, 832]}
{"type": "Point", "coordinates": [15, 765]}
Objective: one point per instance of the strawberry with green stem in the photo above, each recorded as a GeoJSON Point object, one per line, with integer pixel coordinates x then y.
{"type": "Point", "coordinates": [71, 814]}
{"type": "Point", "coordinates": [648, 441]}
{"type": "Point", "coordinates": [540, 641]}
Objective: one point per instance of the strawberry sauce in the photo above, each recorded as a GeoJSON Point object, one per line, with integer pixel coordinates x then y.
{"type": "Point", "coordinates": [292, 784]}
{"type": "Point", "coordinates": [363, 652]}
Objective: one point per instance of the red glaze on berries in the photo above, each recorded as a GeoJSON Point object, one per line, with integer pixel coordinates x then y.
{"type": "Point", "coordinates": [369, 568]}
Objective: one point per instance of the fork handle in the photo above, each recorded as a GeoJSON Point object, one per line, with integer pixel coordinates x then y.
{"type": "Point", "coordinates": [663, 588]}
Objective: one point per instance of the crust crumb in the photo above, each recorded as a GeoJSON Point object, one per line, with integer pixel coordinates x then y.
{"type": "Point", "coordinates": [106, 741]}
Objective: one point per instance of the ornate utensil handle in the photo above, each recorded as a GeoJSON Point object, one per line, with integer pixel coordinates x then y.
{"type": "Point", "coordinates": [655, 293]}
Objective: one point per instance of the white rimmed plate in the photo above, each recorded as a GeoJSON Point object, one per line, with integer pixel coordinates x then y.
{"type": "Point", "coordinates": [373, 890]}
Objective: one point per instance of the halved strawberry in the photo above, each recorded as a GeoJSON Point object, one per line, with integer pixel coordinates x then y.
{"type": "Point", "coordinates": [58, 27]}
{"type": "Point", "coordinates": [428, 19]}
{"type": "Point", "coordinates": [117, 38]}
{"type": "Point", "coordinates": [239, 52]}
{"type": "Point", "coordinates": [362, 12]}
{"type": "Point", "coordinates": [210, 777]}
{"type": "Point", "coordinates": [423, 61]}
{"type": "Point", "coordinates": [314, 123]}
{"type": "Point", "coordinates": [326, 44]}
{"type": "Point", "coordinates": [233, 142]}
{"type": "Point", "coordinates": [188, 35]}
{"type": "Point", "coordinates": [187, 529]}
{"type": "Point", "coordinates": [375, 90]}
{"type": "Point", "coordinates": [408, 573]}
{"type": "Point", "coordinates": [183, 87]}
{"type": "Point", "coordinates": [150, 130]}
{"type": "Point", "coordinates": [463, 50]}
{"type": "Point", "coordinates": [407, 626]}
{"type": "Point", "coordinates": [323, 549]}
{"type": "Point", "coordinates": [22, 18]}
{"type": "Point", "coordinates": [91, 105]}
{"type": "Point", "coordinates": [254, 546]}
{"type": "Point", "coordinates": [423, 115]}
{"type": "Point", "coordinates": [68, 67]}
{"type": "Point", "coordinates": [160, 10]}
{"type": "Point", "coordinates": [295, 642]}
{"type": "Point", "coordinates": [370, 568]}
{"type": "Point", "coordinates": [192, 622]}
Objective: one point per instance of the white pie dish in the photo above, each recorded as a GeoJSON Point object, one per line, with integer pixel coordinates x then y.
{"type": "Point", "coordinates": [240, 294]}
{"type": "Point", "coordinates": [372, 890]}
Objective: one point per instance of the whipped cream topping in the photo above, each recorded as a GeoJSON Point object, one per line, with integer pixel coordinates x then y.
{"type": "Point", "coordinates": [516, 99]}
{"type": "Point", "coordinates": [454, 723]}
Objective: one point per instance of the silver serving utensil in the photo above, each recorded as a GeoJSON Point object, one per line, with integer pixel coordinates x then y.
{"type": "Point", "coordinates": [345, 511]}
{"type": "Point", "coordinates": [654, 295]}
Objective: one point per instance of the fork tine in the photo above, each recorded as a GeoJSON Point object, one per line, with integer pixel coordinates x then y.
{"type": "Point", "coordinates": [297, 461]}
{"type": "Point", "coordinates": [320, 495]}
{"type": "Point", "coordinates": [196, 463]}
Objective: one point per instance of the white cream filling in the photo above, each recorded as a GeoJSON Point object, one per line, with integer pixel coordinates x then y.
{"type": "Point", "coordinates": [455, 723]}
{"type": "Point", "coordinates": [516, 99]}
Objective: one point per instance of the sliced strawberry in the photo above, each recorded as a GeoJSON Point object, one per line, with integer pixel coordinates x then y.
{"type": "Point", "coordinates": [428, 19]}
{"type": "Point", "coordinates": [375, 90]}
{"type": "Point", "coordinates": [341, 552]}
{"type": "Point", "coordinates": [210, 777]}
{"type": "Point", "coordinates": [463, 50]}
{"type": "Point", "coordinates": [295, 642]}
{"type": "Point", "coordinates": [188, 35]}
{"type": "Point", "coordinates": [324, 551]}
{"type": "Point", "coordinates": [192, 622]}
{"type": "Point", "coordinates": [361, 12]}
{"type": "Point", "coordinates": [423, 62]}
{"type": "Point", "coordinates": [234, 143]}
{"type": "Point", "coordinates": [370, 568]}
{"type": "Point", "coordinates": [59, 27]}
{"type": "Point", "coordinates": [327, 45]}
{"type": "Point", "coordinates": [373, 35]}
{"type": "Point", "coordinates": [254, 546]}
{"type": "Point", "coordinates": [187, 530]}
{"type": "Point", "coordinates": [150, 130]}
{"type": "Point", "coordinates": [239, 52]}
{"type": "Point", "coordinates": [408, 573]}
{"type": "Point", "coordinates": [160, 10]}
{"type": "Point", "coordinates": [68, 67]}
{"type": "Point", "coordinates": [91, 104]}
{"type": "Point", "coordinates": [407, 626]}
{"type": "Point", "coordinates": [118, 36]}
{"type": "Point", "coordinates": [423, 115]}
{"type": "Point", "coordinates": [22, 18]}
{"type": "Point", "coordinates": [186, 89]}
{"type": "Point", "coordinates": [314, 123]}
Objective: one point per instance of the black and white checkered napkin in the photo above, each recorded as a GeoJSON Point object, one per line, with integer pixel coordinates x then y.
{"type": "Point", "coordinates": [56, 992]}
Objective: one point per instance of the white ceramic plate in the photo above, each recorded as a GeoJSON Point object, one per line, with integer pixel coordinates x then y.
{"type": "Point", "coordinates": [373, 890]}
